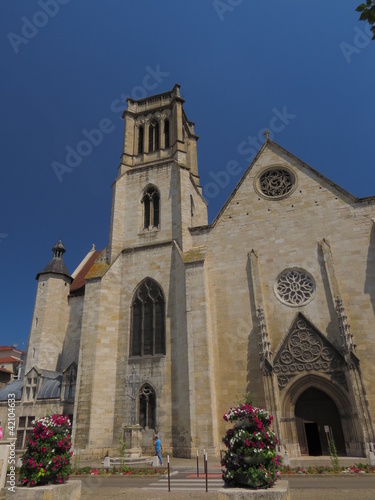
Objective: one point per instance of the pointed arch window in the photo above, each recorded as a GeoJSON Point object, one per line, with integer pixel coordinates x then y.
{"type": "Point", "coordinates": [147, 407]}
{"type": "Point", "coordinates": [151, 208]}
{"type": "Point", "coordinates": [141, 132]}
{"type": "Point", "coordinates": [153, 136]}
{"type": "Point", "coordinates": [70, 378]}
{"type": "Point", "coordinates": [166, 134]}
{"type": "Point", "coordinates": [148, 320]}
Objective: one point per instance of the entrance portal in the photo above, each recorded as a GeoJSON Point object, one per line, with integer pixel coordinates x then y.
{"type": "Point", "coordinates": [314, 411]}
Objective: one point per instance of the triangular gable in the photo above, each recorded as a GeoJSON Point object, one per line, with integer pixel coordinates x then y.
{"type": "Point", "coordinates": [35, 369]}
{"type": "Point", "coordinates": [280, 150]}
{"type": "Point", "coordinates": [72, 365]}
{"type": "Point", "coordinates": [305, 350]}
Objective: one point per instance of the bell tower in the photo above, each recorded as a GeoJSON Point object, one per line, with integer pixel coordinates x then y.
{"type": "Point", "coordinates": [156, 129]}
{"type": "Point", "coordinates": [157, 195]}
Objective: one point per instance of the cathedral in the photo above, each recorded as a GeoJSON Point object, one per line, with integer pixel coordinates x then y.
{"type": "Point", "coordinates": [176, 319]}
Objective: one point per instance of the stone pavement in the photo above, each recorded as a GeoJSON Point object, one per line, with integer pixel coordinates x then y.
{"type": "Point", "coordinates": [186, 464]}
{"type": "Point", "coordinates": [348, 490]}
{"type": "Point", "coordinates": [182, 464]}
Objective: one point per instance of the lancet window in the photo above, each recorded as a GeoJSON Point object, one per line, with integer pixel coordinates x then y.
{"type": "Point", "coordinates": [141, 133]}
{"type": "Point", "coordinates": [148, 320]}
{"type": "Point", "coordinates": [153, 136]}
{"type": "Point", "coordinates": [166, 134]}
{"type": "Point", "coordinates": [151, 208]}
{"type": "Point", "coordinates": [70, 382]}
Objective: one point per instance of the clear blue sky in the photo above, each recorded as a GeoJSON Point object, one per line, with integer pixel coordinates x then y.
{"type": "Point", "coordinates": [66, 65]}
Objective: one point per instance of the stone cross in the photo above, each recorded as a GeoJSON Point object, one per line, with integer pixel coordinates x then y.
{"type": "Point", "coordinates": [133, 382]}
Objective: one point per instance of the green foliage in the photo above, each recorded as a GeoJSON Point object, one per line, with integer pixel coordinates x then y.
{"type": "Point", "coordinates": [251, 459]}
{"type": "Point", "coordinates": [246, 399]}
{"type": "Point", "coordinates": [76, 462]}
{"type": "Point", "coordinates": [47, 458]}
{"type": "Point", "coordinates": [122, 449]}
{"type": "Point", "coordinates": [333, 453]}
{"type": "Point", "coordinates": [125, 468]}
{"type": "Point", "coordinates": [367, 10]}
{"type": "Point", "coordinates": [85, 470]}
{"type": "Point", "coordinates": [325, 469]}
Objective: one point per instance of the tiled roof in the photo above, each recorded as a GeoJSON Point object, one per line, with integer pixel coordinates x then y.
{"type": "Point", "coordinates": [50, 389]}
{"type": "Point", "coordinates": [56, 265]}
{"type": "Point", "coordinates": [50, 374]}
{"type": "Point", "coordinates": [10, 348]}
{"type": "Point", "coordinates": [14, 387]}
{"type": "Point", "coordinates": [78, 285]}
{"type": "Point", "coordinates": [10, 359]}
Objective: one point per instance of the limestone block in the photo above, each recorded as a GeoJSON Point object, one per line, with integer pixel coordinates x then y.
{"type": "Point", "coordinates": [278, 492]}
{"type": "Point", "coordinates": [4, 455]}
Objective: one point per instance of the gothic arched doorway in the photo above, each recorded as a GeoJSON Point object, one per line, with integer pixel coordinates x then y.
{"type": "Point", "coordinates": [315, 411]}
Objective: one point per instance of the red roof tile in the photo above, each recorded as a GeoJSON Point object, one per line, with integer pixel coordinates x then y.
{"type": "Point", "coordinates": [10, 348]}
{"type": "Point", "coordinates": [10, 359]}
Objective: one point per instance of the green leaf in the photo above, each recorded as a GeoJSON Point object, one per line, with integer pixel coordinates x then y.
{"type": "Point", "coordinates": [361, 7]}
{"type": "Point", "coordinates": [371, 16]}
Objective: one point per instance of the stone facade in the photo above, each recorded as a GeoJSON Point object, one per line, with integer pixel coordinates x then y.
{"type": "Point", "coordinates": [177, 318]}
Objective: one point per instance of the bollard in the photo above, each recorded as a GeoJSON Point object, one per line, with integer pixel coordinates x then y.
{"type": "Point", "coordinates": [206, 470]}
{"type": "Point", "coordinates": [169, 478]}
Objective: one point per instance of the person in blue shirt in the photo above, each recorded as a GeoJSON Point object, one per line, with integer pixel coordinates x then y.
{"type": "Point", "coordinates": [158, 449]}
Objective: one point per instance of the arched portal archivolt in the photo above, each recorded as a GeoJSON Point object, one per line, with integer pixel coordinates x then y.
{"type": "Point", "coordinates": [309, 367]}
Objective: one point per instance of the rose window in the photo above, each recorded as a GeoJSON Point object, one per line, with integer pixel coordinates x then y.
{"type": "Point", "coordinates": [276, 183]}
{"type": "Point", "coordinates": [294, 287]}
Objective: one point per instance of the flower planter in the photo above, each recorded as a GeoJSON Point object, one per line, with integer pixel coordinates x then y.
{"type": "Point", "coordinates": [47, 457]}
{"type": "Point", "coordinates": [66, 491]}
{"type": "Point", "coordinates": [251, 458]}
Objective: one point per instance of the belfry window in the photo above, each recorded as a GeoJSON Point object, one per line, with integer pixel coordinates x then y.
{"type": "Point", "coordinates": [148, 323]}
{"type": "Point", "coordinates": [153, 136]}
{"type": "Point", "coordinates": [166, 134]}
{"type": "Point", "coordinates": [141, 133]}
{"type": "Point", "coordinates": [151, 208]}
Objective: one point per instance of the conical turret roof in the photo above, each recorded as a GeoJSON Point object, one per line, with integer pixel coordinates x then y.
{"type": "Point", "coordinates": [56, 265]}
